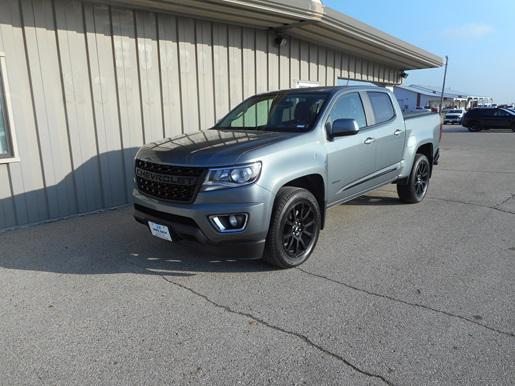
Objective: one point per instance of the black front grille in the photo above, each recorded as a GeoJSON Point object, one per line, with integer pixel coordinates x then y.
{"type": "Point", "coordinates": [168, 182]}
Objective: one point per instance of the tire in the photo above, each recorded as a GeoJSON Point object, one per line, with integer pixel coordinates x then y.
{"type": "Point", "coordinates": [294, 228]}
{"type": "Point", "coordinates": [474, 128]}
{"type": "Point", "coordinates": [416, 187]}
{"type": "Point", "coordinates": [513, 127]}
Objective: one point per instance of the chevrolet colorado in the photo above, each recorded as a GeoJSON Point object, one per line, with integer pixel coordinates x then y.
{"type": "Point", "coordinates": [258, 183]}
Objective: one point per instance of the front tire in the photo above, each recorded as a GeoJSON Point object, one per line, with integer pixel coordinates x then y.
{"type": "Point", "coordinates": [474, 128]}
{"type": "Point", "coordinates": [416, 187]}
{"type": "Point", "coordinates": [294, 228]}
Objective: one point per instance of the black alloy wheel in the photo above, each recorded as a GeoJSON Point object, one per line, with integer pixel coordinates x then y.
{"type": "Point", "coordinates": [422, 179]}
{"type": "Point", "coordinates": [294, 228]}
{"type": "Point", "coordinates": [414, 188]}
{"type": "Point", "coordinates": [299, 229]}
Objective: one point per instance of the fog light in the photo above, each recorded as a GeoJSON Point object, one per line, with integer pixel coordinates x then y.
{"type": "Point", "coordinates": [229, 222]}
{"type": "Point", "coordinates": [233, 221]}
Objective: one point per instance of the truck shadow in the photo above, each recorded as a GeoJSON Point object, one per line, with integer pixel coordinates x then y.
{"type": "Point", "coordinates": [374, 200]}
{"type": "Point", "coordinates": [109, 243]}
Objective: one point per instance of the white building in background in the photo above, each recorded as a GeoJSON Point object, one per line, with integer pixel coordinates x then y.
{"type": "Point", "coordinates": [413, 96]}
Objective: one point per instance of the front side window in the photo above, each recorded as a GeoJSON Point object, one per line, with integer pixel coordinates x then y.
{"type": "Point", "coordinates": [283, 111]}
{"type": "Point", "coordinates": [5, 142]}
{"type": "Point", "coordinates": [501, 113]}
{"type": "Point", "coordinates": [381, 106]}
{"type": "Point", "coordinates": [349, 106]}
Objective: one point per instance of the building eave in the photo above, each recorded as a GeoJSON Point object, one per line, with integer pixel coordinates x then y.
{"type": "Point", "coordinates": [307, 19]}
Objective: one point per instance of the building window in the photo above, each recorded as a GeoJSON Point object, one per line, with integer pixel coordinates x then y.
{"type": "Point", "coordinates": [8, 151]}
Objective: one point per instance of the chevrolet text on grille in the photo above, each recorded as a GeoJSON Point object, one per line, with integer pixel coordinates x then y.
{"type": "Point", "coordinates": [164, 178]}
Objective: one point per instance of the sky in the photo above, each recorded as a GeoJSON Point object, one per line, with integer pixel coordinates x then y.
{"type": "Point", "coordinates": [477, 35]}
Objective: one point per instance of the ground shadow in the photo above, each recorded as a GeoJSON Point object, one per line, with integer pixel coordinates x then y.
{"type": "Point", "coordinates": [374, 201]}
{"type": "Point", "coordinates": [110, 243]}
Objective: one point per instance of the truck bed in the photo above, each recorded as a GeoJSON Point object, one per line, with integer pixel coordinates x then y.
{"type": "Point", "coordinates": [416, 115]}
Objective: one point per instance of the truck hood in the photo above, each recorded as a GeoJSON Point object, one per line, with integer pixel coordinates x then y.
{"type": "Point", "coordinates": [210, 148]}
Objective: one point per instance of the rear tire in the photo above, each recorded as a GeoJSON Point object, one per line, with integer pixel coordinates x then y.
{"type": "Point", "coordinates": [416, 187]}
{"type": "Point", "coordinates": [294, 228]}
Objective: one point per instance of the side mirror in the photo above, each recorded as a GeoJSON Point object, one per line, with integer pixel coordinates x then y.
{"type": "Point", "coordinates": [343, 127]}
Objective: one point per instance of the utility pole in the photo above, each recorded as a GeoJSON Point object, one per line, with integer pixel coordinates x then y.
{"type": "Point", "coordinates": [443, 85]}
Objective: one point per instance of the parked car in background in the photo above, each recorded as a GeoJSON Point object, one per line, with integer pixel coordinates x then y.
{"type": "Point", "coordinates": [421, 110]}
{"type": "Point", "coordinates": [454, 116]}
{"type": "Point", "coordinates": [262, 179]}
{"type": "Point", "coordinates": [489, 118]}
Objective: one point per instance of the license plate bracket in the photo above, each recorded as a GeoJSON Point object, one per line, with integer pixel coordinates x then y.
{"type": "Point", "coordinates": [160, 231]}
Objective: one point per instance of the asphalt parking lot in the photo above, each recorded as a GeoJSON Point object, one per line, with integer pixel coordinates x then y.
{"type": "Point", "coordinates": [400, 294]}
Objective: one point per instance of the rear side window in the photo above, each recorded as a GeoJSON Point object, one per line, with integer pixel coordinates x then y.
{"type": "Point", "coordinates": [487, 112]}
{"type": "Point", "coordinates": [381, 106]}
{"type": "Point", "coordinates": [349, 106]}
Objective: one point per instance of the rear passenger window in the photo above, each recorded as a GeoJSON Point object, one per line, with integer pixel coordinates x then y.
{"type": "Point", "coordinates": [382, 106]}
{"type": "Point", "coordinates": [349, 106]}
{"type": "Point", "coordinates": [501, 113]}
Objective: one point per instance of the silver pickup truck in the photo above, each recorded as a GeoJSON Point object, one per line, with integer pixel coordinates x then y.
{"type": "Point", "coordinates": [258, 184]}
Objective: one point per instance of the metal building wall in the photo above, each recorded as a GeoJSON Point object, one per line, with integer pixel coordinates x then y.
{"type": "Point", "coordinates": [90, 83]}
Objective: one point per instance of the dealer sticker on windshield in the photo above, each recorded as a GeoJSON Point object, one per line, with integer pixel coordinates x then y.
{"type": "Point", "coordinates": [160, 231]}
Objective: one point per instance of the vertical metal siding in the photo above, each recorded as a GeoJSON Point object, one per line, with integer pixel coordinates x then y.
{"type": "Point", "coordinates": [90, 83]}
{"type": "Point", "coordinates": [26, 179]}
{"type": "Point", "coordinates": [170, 80]}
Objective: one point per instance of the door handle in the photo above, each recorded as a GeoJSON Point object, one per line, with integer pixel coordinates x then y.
{"type": "Point", "coordinates": [397, 132]}
{"type": "Point", "coordinates": [369, 140]}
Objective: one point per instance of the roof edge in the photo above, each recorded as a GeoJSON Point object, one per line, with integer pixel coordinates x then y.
{"type": "Point", "coordinates": [309, 18]}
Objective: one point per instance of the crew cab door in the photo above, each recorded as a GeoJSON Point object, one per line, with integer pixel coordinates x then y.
{"type": "Point", "coordinates": [501, 120]}
{"type": "Point", "coordinates": [350, 159]}
{"type": "Point", "coordinates": [488, 118]}
{"type": "Point", "coordinates": [389, 134]}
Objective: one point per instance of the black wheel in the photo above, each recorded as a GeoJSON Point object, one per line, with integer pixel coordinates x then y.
{"type": "Point", "coordinates": [513, 127]}
{"type": "Point", "coordinates": [474, 128]}
{"type": "Point", "coordinates": [415, 189]}
{"type": "Point", "coordinates": [294, 228]}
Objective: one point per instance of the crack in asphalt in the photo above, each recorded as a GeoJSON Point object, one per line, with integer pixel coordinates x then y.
{"type": "Point", "coordinates": [263, 322]}
{"type": "Point", "coordinates": [496, 207]}
{"type": "Point", "coordinates": [391, 298]}
{"type": "Point", "coordinates": [505, 201]}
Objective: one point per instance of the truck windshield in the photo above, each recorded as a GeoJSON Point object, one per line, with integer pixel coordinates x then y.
{"type": "Point", "coordinates": [283, 111]}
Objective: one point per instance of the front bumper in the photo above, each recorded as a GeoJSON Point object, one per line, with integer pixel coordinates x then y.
{"type": "Point", "coordinates": [190, 222]}
{"type": "Point", "coordinates": [452, 120]}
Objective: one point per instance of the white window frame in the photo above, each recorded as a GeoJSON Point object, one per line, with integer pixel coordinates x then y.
{"type": "Point", "coordinates": [11, 132]}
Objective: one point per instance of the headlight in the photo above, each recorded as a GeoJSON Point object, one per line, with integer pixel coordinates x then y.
{"type": "Point", "coordinates": [231, 177]}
